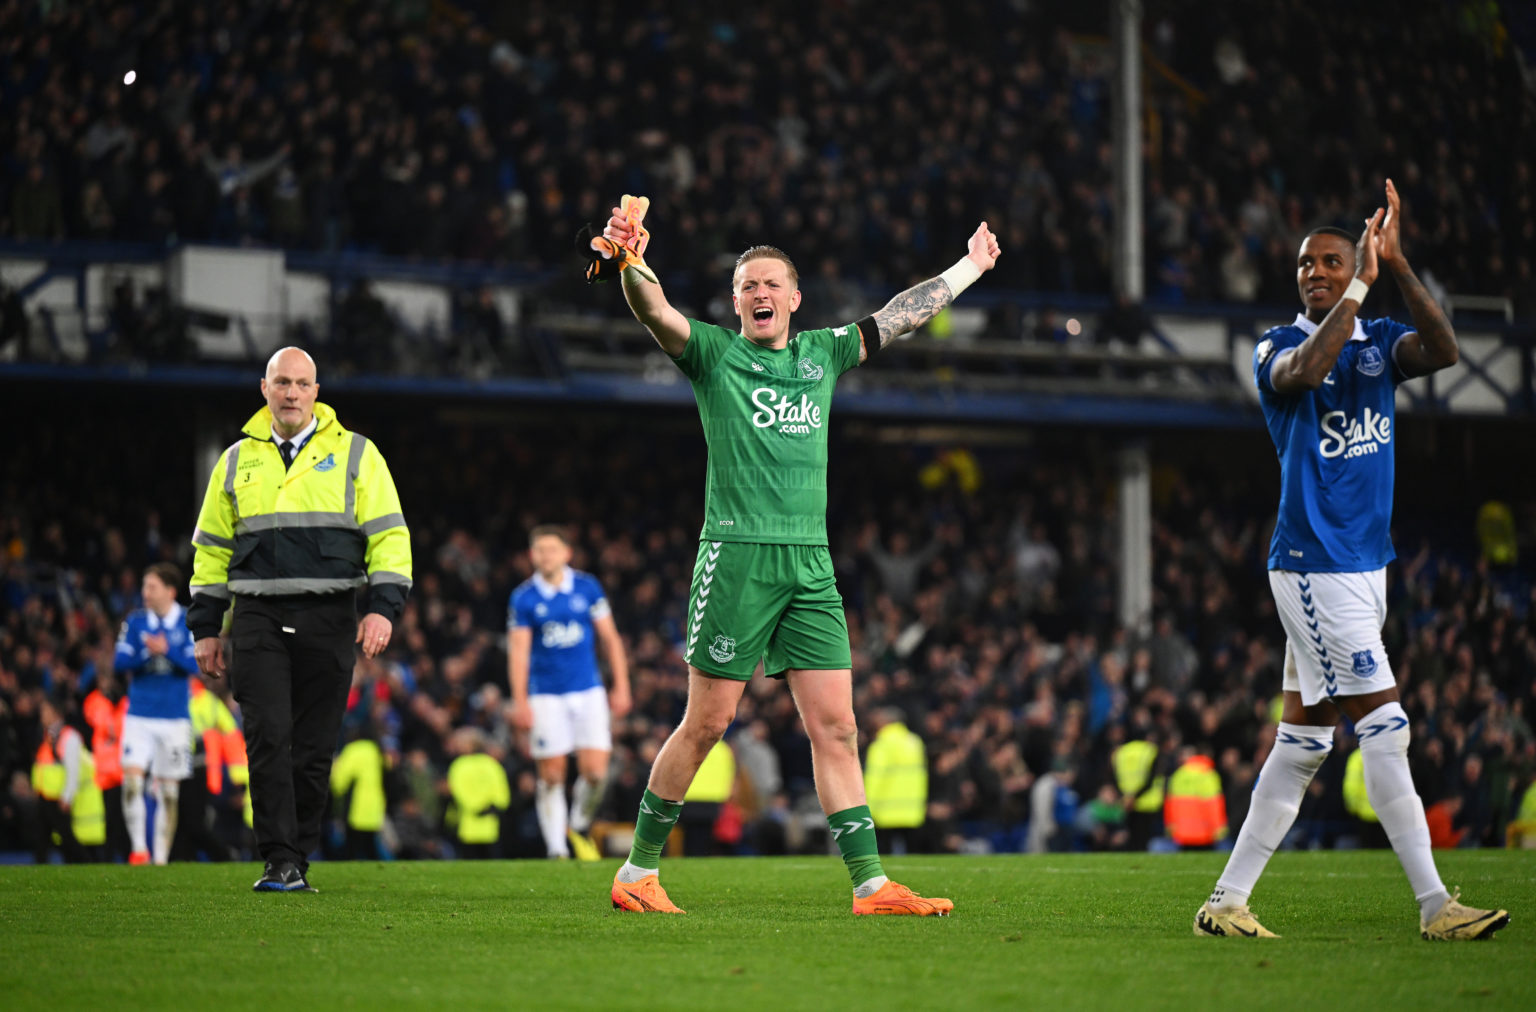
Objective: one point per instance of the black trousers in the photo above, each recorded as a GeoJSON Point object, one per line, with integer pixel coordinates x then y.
{"type": "Point", "coordinates": [291, 664]}
{"type": "Point", "coordinates": [194, 822]}
{"type": "Point", "coordinates": [117, 827]}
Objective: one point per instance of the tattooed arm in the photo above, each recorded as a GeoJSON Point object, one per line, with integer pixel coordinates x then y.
{"type": "Point", "coordinates": [1432, 344]}
{"type": "Point", "coordinates": [922, 302]}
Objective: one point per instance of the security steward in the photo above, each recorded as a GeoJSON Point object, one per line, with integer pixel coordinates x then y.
{"type": "Point", "coordinates": [298, 516]}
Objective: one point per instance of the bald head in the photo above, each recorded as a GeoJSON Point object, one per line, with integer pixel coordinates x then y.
{"type": "Point", "coordinates": [291, 359]}
{"type": "Point", "coordinates": [290, 389]}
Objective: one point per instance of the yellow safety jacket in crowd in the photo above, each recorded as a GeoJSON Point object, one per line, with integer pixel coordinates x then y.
{"type": "Point", "coordinates": [1133, 764]}
{"type": "Point", "coordinates": [1521, 832]}
{"type": "Point", "coordinates": [1497, 533]}
{"type": "Point", "coordinates": [1195, 814]}
{"type": "Point", "coordinates": [479, 788]}
{"type": "Point", "coordinates": [47, 773]}
{"type": "Point", "coordinates": [1356, 801]}
{"type": "Point", "coordinates": [330, 523]}
{"type": "Point", "coordinates": [212, 727]}
{"type": "Point", "coordinates": [716, 776]}
{"type": "Point", "coordinates": [87, 810]}
{"type": "Point", "coordinates": [359, 768]}
{"type": "Point", "coordinates": [896, 778]}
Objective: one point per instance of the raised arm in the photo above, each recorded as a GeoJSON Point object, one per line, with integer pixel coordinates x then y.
{"type": "Point", "coordinates": [645, 298]}
{"type": "Point", "coordinates": [1305, 366]}
{"type": "Point", "coordinates": [922, 302]}
{"type": "Point", "coordinates": [1431, 345]}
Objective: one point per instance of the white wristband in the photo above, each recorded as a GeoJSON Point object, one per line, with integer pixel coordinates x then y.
{"type": "Point", "coordinates": [1356, 291]}
{"type": "Point", "coordinates": [961, 276]}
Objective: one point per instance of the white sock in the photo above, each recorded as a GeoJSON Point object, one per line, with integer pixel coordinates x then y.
{"type": "Point", "coordinates": [1384, 738]}
{"type": "Point", "coordinates": [549, 803]}
{"type": "Point", "coordinates": [133, 812]}
{"type": "Point", "coordinates": [584, 801]}
{"type": "Point", "coordinates": [1298, 753]}
{"type": "Point", "coordinates": [632, 873]}
{"type": "Point", "coordinates": [166, 794]}
{"type": "Point", "coordinates": [869, 887]}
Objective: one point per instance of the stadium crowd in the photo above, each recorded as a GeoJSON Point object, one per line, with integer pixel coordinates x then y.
{"type": "Point", "coordinates": [488, 132]}
{"type": "Point", "coordinates": [980, 591]}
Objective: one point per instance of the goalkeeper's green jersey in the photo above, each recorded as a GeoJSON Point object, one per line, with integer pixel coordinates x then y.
{"type": "Point", "coordinates": [765, 421]}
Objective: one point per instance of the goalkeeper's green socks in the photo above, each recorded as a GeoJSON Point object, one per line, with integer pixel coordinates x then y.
{"type": "Point", "coordinates": [652, 827]}
{"type": "Point", "coordinates": [853, 829]}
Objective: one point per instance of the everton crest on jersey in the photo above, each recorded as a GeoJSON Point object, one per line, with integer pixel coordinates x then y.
{"type": "Point", "coordinates": [1335, 450]}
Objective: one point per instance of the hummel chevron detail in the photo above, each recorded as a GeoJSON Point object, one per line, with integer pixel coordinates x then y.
{"type": "Point", "coordinates": [648, 810]}
{"type": "Point", "coordinates": [1395, 724]}
{"type": "Point", "coordinates": [853, 826]}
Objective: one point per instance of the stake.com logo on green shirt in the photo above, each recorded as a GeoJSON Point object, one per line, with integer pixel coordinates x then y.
{"type": "Point", "coordinates": [765, 416]}
{"type": "Point", "coordinates": [792, 419]}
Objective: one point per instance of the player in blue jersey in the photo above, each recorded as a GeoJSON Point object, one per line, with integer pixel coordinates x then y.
{"type": "Point", "coordinates": [557, 691]}
{"type": "Point", "coordinates": [1327, 384]}
{"type": "Point", "coordinates": [154, 652]}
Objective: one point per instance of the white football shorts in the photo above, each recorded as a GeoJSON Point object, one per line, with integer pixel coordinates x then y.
{"type": "Point", "coordinates": [565, 722]}
{"type": "Point", "coordinates": [1333, 633]}
{"type": "Point", "coordinates": [162, 746]}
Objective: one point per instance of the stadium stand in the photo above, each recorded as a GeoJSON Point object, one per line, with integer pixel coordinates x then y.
{"type": "Point", "coordinates": [484, 134]}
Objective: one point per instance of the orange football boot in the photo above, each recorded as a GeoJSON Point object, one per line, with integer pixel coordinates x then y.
{"type": "Point", "coordinates": [894, 898]}
{"type": "Point", "coordinates": [644, 897]}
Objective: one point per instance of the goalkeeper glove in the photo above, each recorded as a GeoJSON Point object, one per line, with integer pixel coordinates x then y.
{"type": "Point", "coordinates": [606, 257]}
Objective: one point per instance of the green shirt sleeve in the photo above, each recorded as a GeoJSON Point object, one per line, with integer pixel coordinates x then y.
{"type": "Point", "coordinates": [707, 344]}
{"type": "Point", "coordinates": [839, 345]}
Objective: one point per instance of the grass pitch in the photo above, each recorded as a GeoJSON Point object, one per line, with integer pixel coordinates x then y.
{"type": "Point", "coordinates": [1059, 931]}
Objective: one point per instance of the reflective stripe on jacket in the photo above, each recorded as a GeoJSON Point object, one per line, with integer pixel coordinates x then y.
{"type": "Point", "coordinates": [332, 522]}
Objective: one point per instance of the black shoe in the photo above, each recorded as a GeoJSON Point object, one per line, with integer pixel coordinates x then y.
{"type": "Point", "coordinates": [282, 877]}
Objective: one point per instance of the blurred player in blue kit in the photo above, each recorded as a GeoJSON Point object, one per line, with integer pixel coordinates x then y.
{"type": "Point", "coordinates": [553, 621]}
{"type": "Point", "coordinates": [1328, 386]}
{"type": "Point", "coordinates": [154, 652]}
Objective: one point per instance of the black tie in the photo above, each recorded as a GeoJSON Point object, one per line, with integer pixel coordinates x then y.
{"type": "Point", "coordinates": [286, 449]}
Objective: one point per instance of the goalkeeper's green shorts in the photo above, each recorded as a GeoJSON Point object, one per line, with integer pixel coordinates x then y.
{"type": "Point", "coordinates": [774, 603]}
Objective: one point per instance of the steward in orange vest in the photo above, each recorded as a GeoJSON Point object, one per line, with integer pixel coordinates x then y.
{"type": "Point", "coordinates": [1195, 812]}
{"type": "Point", "coordinates": [105, 715]}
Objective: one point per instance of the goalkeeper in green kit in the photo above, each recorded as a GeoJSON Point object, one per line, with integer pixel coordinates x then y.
{"type": "Point", "coordinates": [763, 587]}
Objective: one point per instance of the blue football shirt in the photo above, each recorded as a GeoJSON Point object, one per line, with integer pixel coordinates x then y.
{"type": "Point", "coordinates": [1335, 450]}
{"type": "Point", "coordinates": [564, 654]}
{"type": "Point", "coordinates": [159, 683]}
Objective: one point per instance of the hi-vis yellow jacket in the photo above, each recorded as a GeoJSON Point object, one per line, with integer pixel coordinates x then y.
{"type": "Point", "coordinates": [330, 523]}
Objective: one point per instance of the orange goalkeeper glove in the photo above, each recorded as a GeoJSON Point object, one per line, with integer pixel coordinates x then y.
{"type": "Point", "coordinates": [608, 256]}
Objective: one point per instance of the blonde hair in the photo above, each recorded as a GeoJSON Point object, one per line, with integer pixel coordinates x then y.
{"type": "Point", "coordinates": [767, 253]}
